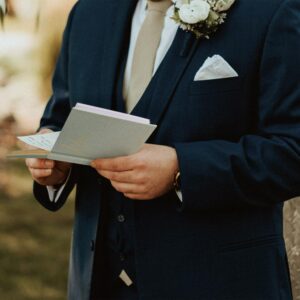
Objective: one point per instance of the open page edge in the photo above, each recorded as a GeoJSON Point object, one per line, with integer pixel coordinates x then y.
{"type": "Point", "coordinates": [30, 153]}
{"type": "Point", "coordinates": [110, 113]}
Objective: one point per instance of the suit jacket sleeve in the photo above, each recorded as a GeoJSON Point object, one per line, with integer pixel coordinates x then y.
{"type": "Point", "coordinates": [55, 114]}
{"type": "Point", "coordinates": [41, 194]}
{"type": "Point", "coordinates": [264, 168]}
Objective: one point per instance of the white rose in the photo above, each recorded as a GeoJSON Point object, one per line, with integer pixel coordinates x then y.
{"type": "Point", "coordinates": [196, 11]}
{"type": "Point", "coordinates": [223, 5]}
{"type": "Point", "coordinates": [3, 6]}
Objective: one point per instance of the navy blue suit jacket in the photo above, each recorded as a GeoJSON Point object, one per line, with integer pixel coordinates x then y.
{"type": "Point", "coordinates": [237, 140]}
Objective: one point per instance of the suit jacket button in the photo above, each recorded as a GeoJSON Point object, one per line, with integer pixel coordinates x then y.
{"type": "Point", "coordinates": [92, 245]}
{"type": "Point", "coordinates": [121, 218]}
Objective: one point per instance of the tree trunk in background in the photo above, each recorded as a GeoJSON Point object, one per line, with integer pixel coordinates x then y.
{"type": "Point", "coordinates": [292, 238]}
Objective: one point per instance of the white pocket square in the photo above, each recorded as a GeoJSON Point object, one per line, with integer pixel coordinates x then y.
{"type": "Point", "coordinates": [215, 67]}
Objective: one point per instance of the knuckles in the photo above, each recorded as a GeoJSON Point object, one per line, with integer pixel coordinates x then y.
{"type": "Point", "coordinates": [141, 164]}
{"type": "Point", "coordinates": [113, 176]}
{"type": "Point", "coordinates": [39, 163]}
{"type": "Point", "coordinates": [40, 173]}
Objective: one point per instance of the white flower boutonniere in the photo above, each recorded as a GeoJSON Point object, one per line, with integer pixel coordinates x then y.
{"type": "Point", "coordinates": [202, 17]}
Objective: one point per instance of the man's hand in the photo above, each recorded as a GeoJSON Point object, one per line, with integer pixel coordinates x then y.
{"type": "Point", "coordinates": [48, 172]}
{"type": "Point", "coordinates": [145, 175]}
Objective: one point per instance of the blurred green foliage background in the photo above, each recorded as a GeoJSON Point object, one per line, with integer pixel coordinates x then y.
{"type": "Point", "coordinates": [34, 243]}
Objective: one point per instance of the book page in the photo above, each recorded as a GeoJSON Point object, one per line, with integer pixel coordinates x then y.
{"type": "Point", "coordinates": [90, 136]}
{"type": "Point", "coordinates": [111, 113]}
{"type": "Point", "coordinates": [44, 141]}
{"type": "Point", "coordinates": [28, 153]}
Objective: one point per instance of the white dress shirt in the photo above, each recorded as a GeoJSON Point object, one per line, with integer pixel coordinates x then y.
{"type": "Point", "coordinates": [168, 34]}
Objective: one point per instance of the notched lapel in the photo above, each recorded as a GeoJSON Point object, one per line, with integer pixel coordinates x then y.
{"type": "Point", "coordinates": [167, 77]}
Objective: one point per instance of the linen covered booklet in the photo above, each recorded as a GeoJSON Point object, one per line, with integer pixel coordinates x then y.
{"type": "Point", "coordinates": [89, 132]}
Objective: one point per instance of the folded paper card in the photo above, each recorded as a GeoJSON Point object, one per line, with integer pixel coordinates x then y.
{"type": "Point", "coordinates": [89, 133]}
{"type": "Point", "coordinates": [215, 67]}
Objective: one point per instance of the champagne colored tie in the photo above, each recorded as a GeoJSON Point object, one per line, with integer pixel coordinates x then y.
{"type": "Point", "coordinates": [145, 51]}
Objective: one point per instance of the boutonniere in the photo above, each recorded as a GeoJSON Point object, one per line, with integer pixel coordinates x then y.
{"type": "Point", "coordinates": [202, 17]}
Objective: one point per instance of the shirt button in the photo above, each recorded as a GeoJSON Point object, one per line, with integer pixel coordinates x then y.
{"type": "Point", "coordinates": [121, 218]}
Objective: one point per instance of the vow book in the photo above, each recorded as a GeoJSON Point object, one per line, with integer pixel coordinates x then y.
{"type": "Point", "coordinates": [89, 132]}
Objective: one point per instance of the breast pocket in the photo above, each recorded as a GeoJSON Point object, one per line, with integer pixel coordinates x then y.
{"type": "Point", "coordinates": [217, 107]}
{"type": "Point", "coordinates": [216, 86]}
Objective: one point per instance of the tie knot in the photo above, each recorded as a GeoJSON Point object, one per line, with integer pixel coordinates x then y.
{"type": "Point", "coordinates": [159, 5]}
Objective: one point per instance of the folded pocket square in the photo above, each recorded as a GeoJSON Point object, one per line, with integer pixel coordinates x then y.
{"type": "Point", "coordinates": [215, 67]}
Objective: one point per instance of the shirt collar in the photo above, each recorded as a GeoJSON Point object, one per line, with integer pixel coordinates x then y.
{"type": "Point", "coordinates": [144, 4]}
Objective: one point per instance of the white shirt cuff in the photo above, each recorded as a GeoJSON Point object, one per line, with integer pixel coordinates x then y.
{"type": "Point", "coordinates": [179, 194]}
{"type": "Point", "coordinates": [54, 193]}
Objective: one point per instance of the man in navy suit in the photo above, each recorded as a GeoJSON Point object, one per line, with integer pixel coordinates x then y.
{"type": "Point", "coordinates": [230, 146]}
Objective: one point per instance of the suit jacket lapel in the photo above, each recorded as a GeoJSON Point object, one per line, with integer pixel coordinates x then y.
{"type": "Point", "coordinates": [166, 78]}
{"type": "Point", "coordinates": [115, 41]}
